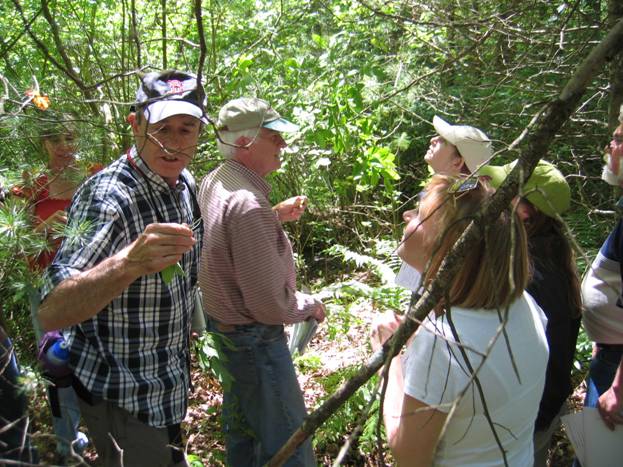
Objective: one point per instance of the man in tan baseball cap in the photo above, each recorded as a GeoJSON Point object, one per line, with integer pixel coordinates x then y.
{"type": "Point", "coordinates": [248, 280]}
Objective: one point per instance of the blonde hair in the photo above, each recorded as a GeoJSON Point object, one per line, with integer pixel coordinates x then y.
{"type": "Point", "coordinates": [494, 272]}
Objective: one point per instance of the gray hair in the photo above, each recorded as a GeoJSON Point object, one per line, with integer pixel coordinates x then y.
{"type": "Point", "coordinates": [227, 145]}
{"type": "Point", "coordinates": [621, 114]}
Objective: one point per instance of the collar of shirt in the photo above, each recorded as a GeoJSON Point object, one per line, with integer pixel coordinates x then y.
{"type": "Point", "coordinates": [254, 178]}
{"type": "Point", "coordinates": [157, 181]}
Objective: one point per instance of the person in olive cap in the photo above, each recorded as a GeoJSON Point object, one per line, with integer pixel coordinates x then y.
{"type": "Point", "coordinates": [127, 325]}
{"type": "Point", "coordinates": [248, 279]}
{"type": "Point", "coordinates": [555, 286]}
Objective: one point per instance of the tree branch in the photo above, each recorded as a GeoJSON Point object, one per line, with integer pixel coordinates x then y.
{"type": "Point", "coordinates": [19, 35]}
{"type": "Point", "coordinates": [134, 34]}
{"type": "Point", "coordinates": [42, 47]}
{"type": "Point", "coordinates": [164, 34]}
{"type": "Point", "coordinates": [203, 48]}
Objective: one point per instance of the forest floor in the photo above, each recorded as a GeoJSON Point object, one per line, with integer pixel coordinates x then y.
{"type": "Point", "coordinates": [325, 357]}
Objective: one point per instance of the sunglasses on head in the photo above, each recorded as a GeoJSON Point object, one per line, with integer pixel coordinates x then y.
{"type": "Point", "coordinates": [464, 185]}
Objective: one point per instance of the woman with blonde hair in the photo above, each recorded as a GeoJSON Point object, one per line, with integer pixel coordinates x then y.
{"type": "Point", "coordinates": [49, 195]}
{"type": "Point", "coordinates": [473, 374]}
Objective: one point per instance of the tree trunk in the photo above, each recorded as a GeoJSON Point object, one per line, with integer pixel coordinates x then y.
{"type": "Point", "coordinates": [615, 12]}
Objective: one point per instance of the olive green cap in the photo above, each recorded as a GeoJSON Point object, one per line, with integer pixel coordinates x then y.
{"type": "Point", "coordinates": [546, 188]}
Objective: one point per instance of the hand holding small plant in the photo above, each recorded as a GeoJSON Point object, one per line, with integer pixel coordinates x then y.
{"type": "Point", "coordinates": [170, 272]}
{"type": "Point", "coordinates": [160, 246]}
{"type": "Point", "coordinates": [291, 209]}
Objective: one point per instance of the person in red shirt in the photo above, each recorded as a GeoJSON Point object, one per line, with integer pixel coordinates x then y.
{"type": "Point", "coordinates": [50, 195]}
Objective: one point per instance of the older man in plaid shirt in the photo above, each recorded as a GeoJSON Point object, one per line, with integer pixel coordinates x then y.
{"type": "Point", "coordinates": [127, 321]}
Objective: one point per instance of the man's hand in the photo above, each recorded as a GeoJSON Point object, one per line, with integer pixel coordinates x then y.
{"type": "Point", "coordinates": [319, 313]}
{"type": "Point", "coordinates": [610, 402]}
{"type": "Point", "coordinates": [383, 327]}
{"type": "Point", "coordinates": [291, 209]}
{"type": "Point", "coordinates": [609, 405]}
{"type": "Point", "coordinates": [159, 246]}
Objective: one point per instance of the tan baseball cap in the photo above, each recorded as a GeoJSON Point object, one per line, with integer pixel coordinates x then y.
{"type": "Point", "coordinates": [473, 144]}
{"type": "Point", "coordinates": [246, 113]}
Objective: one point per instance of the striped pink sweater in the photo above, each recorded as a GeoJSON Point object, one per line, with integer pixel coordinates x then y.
{"type": "Point", "coordinates": [247, 272]}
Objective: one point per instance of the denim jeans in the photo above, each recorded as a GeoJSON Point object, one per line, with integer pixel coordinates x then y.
{"type": "Point", "coordinates": [601, 374]}
{"type": "Point", "coordinates": [265, 404]}
{"type": "Point", "coordinates": [66, 426]}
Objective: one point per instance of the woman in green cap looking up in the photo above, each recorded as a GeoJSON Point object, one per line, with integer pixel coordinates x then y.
{"type": "Point", "coordinates": [554, 286]}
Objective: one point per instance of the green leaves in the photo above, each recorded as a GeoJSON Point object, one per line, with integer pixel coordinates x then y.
{"type": "Point", "coordinates": [373, 164]}
{"type": "Point", "coordinates": [18, 241]}
{"type": "Point", "coordinates": [170, 272]}
{"type": "Point", "coordinates": [211, 357]}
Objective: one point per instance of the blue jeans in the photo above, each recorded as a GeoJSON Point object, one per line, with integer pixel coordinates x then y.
{"type": "Point", "coordinates": [66, 426]}
{"type": "Point", "coordinates": [265, 404]}
{"type": "Point", "coordinates": [601, 374]}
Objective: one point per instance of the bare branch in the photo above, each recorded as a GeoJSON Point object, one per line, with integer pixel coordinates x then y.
{"type": "Point", "coordinates": [134, 34]}
{"type": "Point", "coordinates": [203, 48]}
{"type": "Point", "coordinates": [18, 36]}
{"type": "Point", "coordinates": [42, 47]}
{"type": "Point", "coordinates": [164, 34]}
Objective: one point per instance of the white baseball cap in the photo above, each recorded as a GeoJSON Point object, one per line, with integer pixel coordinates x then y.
{"type": "Point", "coordinates": [473, 145]}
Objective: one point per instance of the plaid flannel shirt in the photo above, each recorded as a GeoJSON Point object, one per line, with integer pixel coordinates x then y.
{"type": "Point", "coordinates": [134, 352]}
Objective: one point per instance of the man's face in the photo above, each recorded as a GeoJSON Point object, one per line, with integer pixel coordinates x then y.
{"type": "Point", "coordinates": [168, 146]}
{"type": "Point", "coordinates": [616, 145]}
{"type": "Point", "coordinates": [265, 152]}
{"type": "Point", "coordinates": [443, 157]}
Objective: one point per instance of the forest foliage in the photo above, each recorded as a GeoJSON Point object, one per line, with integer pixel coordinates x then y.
{"type": "Point", "coordinates": [363, 79]}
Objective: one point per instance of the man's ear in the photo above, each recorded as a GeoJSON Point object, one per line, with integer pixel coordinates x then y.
{"type": "Point", "coordinates": [133, 121]}
{"type": "Point", "coordinates": [243, 142]}
{"type": "Point", "coordinates": [241, 151]}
